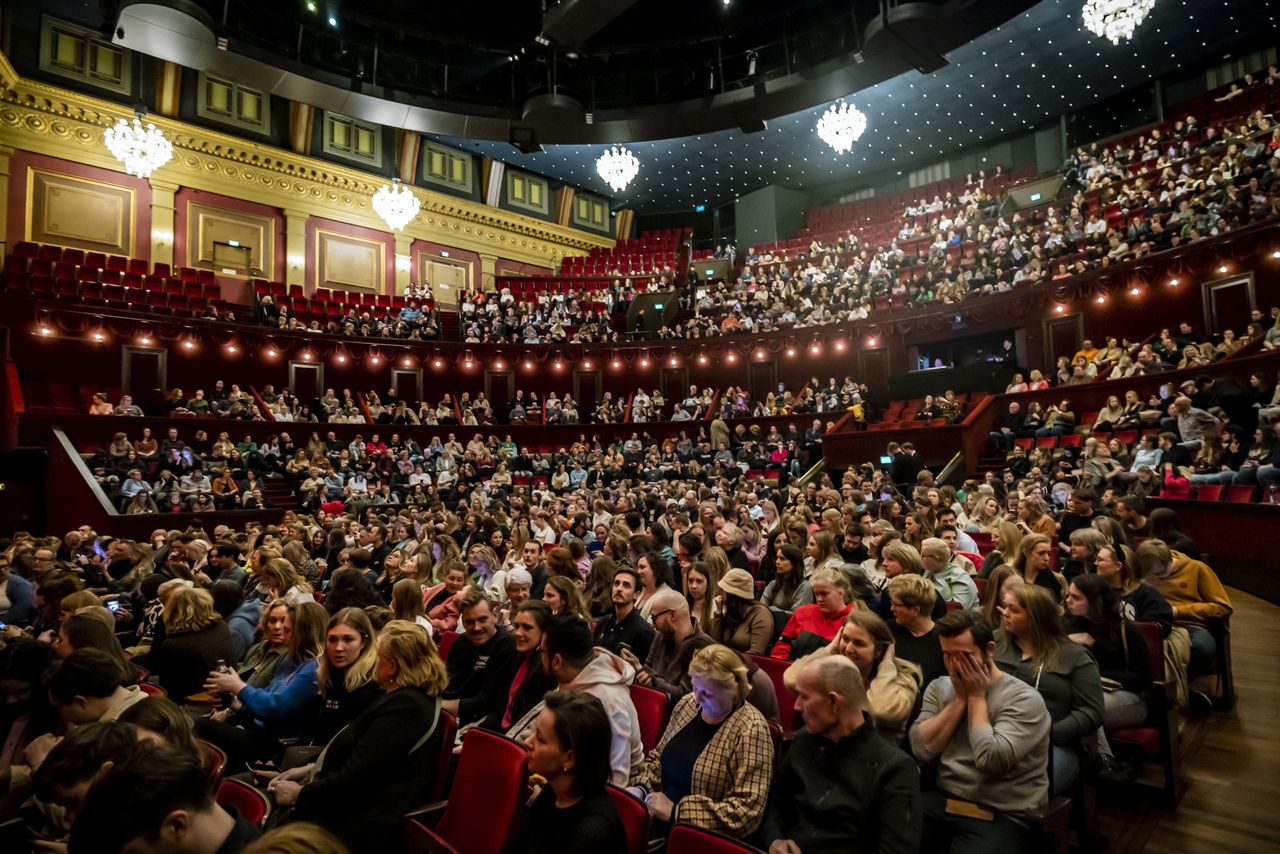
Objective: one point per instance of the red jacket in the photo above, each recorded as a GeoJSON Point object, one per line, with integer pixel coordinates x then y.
{"type": "Point", "coordinates": [808, 619]}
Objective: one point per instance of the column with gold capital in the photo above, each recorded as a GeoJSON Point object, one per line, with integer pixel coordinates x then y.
{"type": "Point", "coordinates": [163, 222]}
{"type": "Point", "coordinates": [5, 153]}
{"type": "Point", "coordinates": [488, 272]}
{"type": "Point", "coordinates": [295, 247]}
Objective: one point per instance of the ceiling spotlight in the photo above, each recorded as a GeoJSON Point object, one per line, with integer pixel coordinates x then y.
{"type": "Point", "coordinates": [231, 348]}
{"type": "Point", "coordinates": [189, 345]}
{"type": "Point", "coordinates": [98, 336]}
{"type": "Point", "coordinates": [1102, 298]}
{"type": "Point", "coordinates": [1222, 269]}
{"type": "Point", "coordinates": [45, 330]}
{"type": "Point", "coordinates": [311, 7]}
{"type": "Point", "coordinates": [333, 22]}
{"type": "Point", "coordinates": [271, 354]}
{"type": "Point", "coordinates": [1276, 254]}
{"type": "Point", "coordinates": [791, 352]}
{"type": "Point", "coordinates": [341, 359]}
{"type": "Point", "coordinates": [377, 360]}
{"type": "Point", "coordinates": [1133, 292]}
{"type": "Point", "coordinates": [1173, 282]}
{"type": "Point", "coordinates": [542, 40]}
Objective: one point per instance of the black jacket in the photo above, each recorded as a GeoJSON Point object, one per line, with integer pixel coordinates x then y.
{"type": "Point", "coordinates": [481, 675]}
{"type": "Point", "coordinates": [370, 778]}
{"type": "Point", "coordinates": [181, 662]}
{"type": "Point", "coordinates": [858, 794]}
{"type": "Point", "coordinates": [632, 631]}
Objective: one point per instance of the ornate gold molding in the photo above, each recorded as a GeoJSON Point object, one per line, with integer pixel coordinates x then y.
{"type": "Point", "coordinates": [49, 120]}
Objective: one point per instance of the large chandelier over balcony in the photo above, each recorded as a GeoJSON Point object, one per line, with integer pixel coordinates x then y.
{"type": "Point", "coordinates": [142, 150]}
{"type": "Point", "coordinates": [841, 126]}
{"type": "Point", "coordinates": [1115, 19]}
{"type": "Point", "coordinates": [617, 166]}
{"type": "Point", "coordinates": [397, 205]}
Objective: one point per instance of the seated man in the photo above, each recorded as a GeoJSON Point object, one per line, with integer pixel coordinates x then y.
{"type": "Point", "coordinates": [841, 786]}
{"type": "Point", "coordinates": [667, 667]}
{"type": "Point", "coordinates": [481, 662]}
{"type": "Point", "coordinates": [569, 656]}
{"type": "Point", "coordinates": [1194, 592]}
{"type": "Point", "coordinates": [990, 735]}
{"type": "Point", "coordinates": [157, 800]}
{"type": "Point", "coordinates": [625, 628]}
{"type": "Point", "coordinates": [952, 583]}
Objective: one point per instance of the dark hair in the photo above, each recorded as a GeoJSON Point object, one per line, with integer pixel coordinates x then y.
{"type": "Point", "coordinates": [582, 725]}
{"type": "Point", "coordinates": [1134, 503]}
{"type": "Point", "coordinates": [660, 568]}
{"type": "Point", "coordinates": [227, 597]}
{"type": "Point", "coordinates": [540, 610]}
{"type": "Point", "coordinates": [957, 623]}
{"type": "Point", "coordinates": [25, 659]}
{"type": "Point", "coordinates": [1105, 622]}
{"type": "Point", "coordinates": [628, 570]}
{"type": "Point", "coordinates": [1163, 524]}
{"type": "Point", "coordinates": [135, 796]}
{"type": "Point", "coordinates": [166, 719]}
{"type": "Point", "coordinates": [360, 558]}
{"type": "Point", "coordinates": [81, 754]}
{"type": "Point", "coordinates": [227, 550]}
{"type": "Point", "coordinates": [86, 672]}
{"type": "Point", "coordinates": [569, 636]}
{"type": "Point", "coordinates": [350, 588]}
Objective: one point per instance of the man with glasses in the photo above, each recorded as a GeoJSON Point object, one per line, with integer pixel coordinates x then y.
{"type": "Point", "coordinates": [666, 668]}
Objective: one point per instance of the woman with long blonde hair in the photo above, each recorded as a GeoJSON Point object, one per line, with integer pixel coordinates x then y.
{"type": "Point", "coordinates": [345, 672]}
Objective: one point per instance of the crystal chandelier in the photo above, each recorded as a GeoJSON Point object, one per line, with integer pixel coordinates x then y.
{"type": "Point", "coordinates": [617, 166]}
{"type": "Point", "coordinates": [142, 150]}
{"type": "Point", "coordinates": [397, 205]}
{"type": "Point", "coordinates": [1115, 19]}
{"type": "Point", "coordinates": [841, 125]}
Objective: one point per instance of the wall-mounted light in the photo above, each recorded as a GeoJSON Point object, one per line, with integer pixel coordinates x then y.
{"type": "Point", "coordinates": [98, 336]}
{"type": "Point", "coordinates": [271, 353]}
{"type": "Point", "coordinates": [791, 352]}
{"type": "Point", "coordinates": [232, 349]}
{"type": "Point", "coordinates": [702, 358]}
{"type": "Point", "coordinates": [1059, 309]}
{"type": "Point", "coordinates": [161, 236]}
{"type": "Point", "coordinates": [296, 261]}
{"type": "Point", "coordinates": [45, 330]}
{"type": "Point", "coordinates": [871, 342]}
{"type": "Point", "coordinates": [731, 357]}
{"type": "Point", "coordinates": [340, 359]}
{"type": "Point", "coordinates": [644, 362]}
{"type": "Point", "coordinates": [840, 345]}
{"type": "Point", "coordinates": [188, 344]}
{"type": "Point", "coordinates": [306, 356]}
{"type": "Point", "coordinates": [1102, 298]}
{"type": "Point", "coordinates": [1174, 282]}
{"type": "Point", "coordinates": [375, 359]}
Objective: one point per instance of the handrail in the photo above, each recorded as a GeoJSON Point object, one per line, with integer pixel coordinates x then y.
{"type": "Point", "coordinates": [710, 414]}
{"type": "Point", "coordinates": [63, 444]}
{"type": "Point", "coordinates": [364, 407]}
{"type": "Point", "coordinates": [626, 416]}
{"type": "Point", "coordinates": [267, 414]}
{"type": "Point", "coordinates": [813, 472]}
{"type": "Point", "coordinates": [953, 465]}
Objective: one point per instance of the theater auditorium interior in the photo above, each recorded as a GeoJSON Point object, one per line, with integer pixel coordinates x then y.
{"type": "Point", "coordinates": [596, 425]}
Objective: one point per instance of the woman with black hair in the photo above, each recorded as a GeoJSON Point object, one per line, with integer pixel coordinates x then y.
{"type": "Point", "coordinates": [1094, 621]}
{"type": "Point", "coordinates": [569, 750]}
{"type": "Point", "coordinates": [530, 681]}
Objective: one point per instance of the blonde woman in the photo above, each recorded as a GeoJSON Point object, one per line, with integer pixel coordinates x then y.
{"type": "Point", "coordinates": [351, 794]}
{"type": "Point", "coordinates": [892, 684]}
{"type": "Point", "coordinates": [281, 581]}
{"type": "Point", "coordinates": [345, 672]}
{"type": "Point", "coordinates": [725, 786]}
{"type": "Point", "coordinates": [196, 639]}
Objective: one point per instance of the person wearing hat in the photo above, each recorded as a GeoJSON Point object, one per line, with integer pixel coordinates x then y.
{"type": "Point", "coordinates": [744, 624]}
{"type": "Point", "coordinates": [667, 667]}
{"type": "Point", "coordinates": [625, 628]}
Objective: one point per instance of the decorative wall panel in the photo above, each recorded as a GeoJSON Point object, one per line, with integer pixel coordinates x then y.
{"type": "Point", "coordinates": [212, 229]}
{"type": "Point", "coordinates": [80, 212]}
{"type": "Point", "coordinates": [347, 262]}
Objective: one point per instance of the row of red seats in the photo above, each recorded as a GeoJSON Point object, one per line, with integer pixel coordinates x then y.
{"type": "Point", "coordinates": [63, 262]}
{"type": "Point", "coordinates": [150, 293]}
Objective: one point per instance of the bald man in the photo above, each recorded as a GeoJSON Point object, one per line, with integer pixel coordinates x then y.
{"type": "Point", "coordinates": [841, 787]}
{"type": "Point", "coordinates": [666, 668]}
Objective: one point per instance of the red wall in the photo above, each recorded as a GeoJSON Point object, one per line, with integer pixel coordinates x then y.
{"type": "Point", "coordinates": [21, 161]}
{"type": "Point", "coordinates": [388, 243]}
{"type": "Point", "coordinates": [186, 194]}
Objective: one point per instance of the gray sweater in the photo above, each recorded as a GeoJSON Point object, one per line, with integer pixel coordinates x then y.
{"type": "Point", "coordinates": [1003, 765]}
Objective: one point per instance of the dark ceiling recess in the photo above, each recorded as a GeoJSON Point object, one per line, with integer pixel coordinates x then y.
{"type": "Point", "coordinates": [647, 70]}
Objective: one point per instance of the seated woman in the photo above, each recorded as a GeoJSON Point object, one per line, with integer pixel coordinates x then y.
{"type": "Point", "coordinates": [744, 624]}
{"type": "Point", "coordinates": [893, 684]}
{"type": "Point", "coordinates": [813, 626]}
{"type": "Point", "coordinates": [1032, 646]}
{"type": "Point", "coordinates": [911, 601]}
{"type": "Point", "coordinates": [282, 580]}
{"type": "Point", "coordinates": [345, 674]}
{"type": "Point", "coordinates": [700, 579]}
{"type": "Point", "coordinates": [195, 640]}
{"type": "Point", "coordinates": [1139, 602]}
{"type": "Point", "coordinates": [789, 589]}
{"type": "Point", "coordinates": [569, 749]}
{"type": "Point", "coordinates": [440, 603]}
{"type": "Point", "coordinates": [1032, 561]}
{"type": "Point", "coordinates": [714, 763]}
{"type": "Point", "coordinates": [531, 682]}
{"type": "Point", "coordinates": [1095, 622]}
{"type": "Point", "coordinates": [162, 721]}
{"type": "Point", "coordinates": [1006, 537]}
{"type": "Point", "coordinates": [29, 713]}
{"type": "Point", "coordinates": [259, 718]}
{"type": "Point", "coordinates": [352, 794]}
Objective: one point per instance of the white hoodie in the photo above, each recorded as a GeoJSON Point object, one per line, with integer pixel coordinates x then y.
{"type": "Point", "coordinates": [608, 678]}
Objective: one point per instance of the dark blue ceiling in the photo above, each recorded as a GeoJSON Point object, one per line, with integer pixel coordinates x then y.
{"type": "Point", "coordinates": [1040, 65]}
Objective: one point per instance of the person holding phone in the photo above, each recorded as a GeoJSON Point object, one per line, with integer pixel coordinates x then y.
{"type": "Point", "coordinates": [892, 683]}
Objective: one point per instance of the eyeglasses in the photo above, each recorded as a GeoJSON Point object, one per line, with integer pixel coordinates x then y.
{"type": "Point", "coordinates": [654, 615]}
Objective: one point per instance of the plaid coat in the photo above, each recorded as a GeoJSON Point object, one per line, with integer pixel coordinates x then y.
{"type": "Point", "coordinates": [731, 777]}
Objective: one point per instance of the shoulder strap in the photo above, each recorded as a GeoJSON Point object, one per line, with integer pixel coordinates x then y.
{"type": "Point", "coordinates": [435, 720]}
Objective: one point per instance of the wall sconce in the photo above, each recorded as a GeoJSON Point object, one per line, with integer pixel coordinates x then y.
{"type": "Point", "coordinates": [161, 236]}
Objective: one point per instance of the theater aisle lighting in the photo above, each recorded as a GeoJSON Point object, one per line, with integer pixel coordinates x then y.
{"type": "Point", "coordinates": [141, 149]}
{"type": "Point", "coordinates": [841, 126]}
{"type": "Point", "coordinates": [1115, 20]}
{"type": "Point", "coordinates": [396, 204]}
{"type": "Point", "coordinates": [617, 166]}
